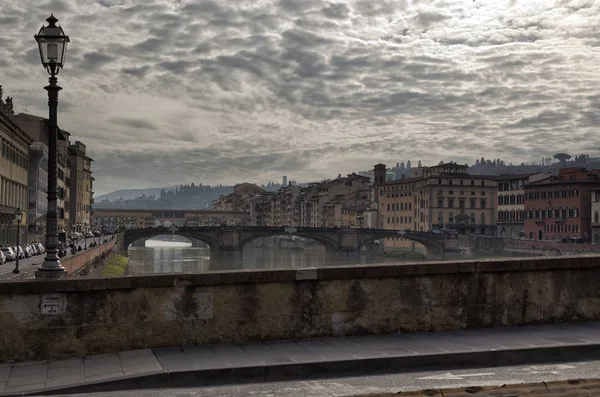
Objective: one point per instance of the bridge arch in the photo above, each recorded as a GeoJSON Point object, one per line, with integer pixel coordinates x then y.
{"type": "Point", "coordinates": [328, 243]}
{"type": "Point", "coordinates": [131, 236]}
{"type": "Point", "coordinates": [430, 241]}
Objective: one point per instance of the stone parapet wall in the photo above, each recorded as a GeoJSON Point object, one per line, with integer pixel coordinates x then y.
{"type": "Point", "coordinates": [78, 261]}
{"type": "Point", "coordinates": [97, 315]}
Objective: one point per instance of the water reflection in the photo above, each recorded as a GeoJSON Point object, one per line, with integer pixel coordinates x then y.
{"type": "Point", "coordinates": [175, 257]}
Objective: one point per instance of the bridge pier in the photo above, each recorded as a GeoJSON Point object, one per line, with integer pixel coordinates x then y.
{"type": "Point", "coordinates": [227, 252]}
{"type": "Point", "coordinates": [346, 252]}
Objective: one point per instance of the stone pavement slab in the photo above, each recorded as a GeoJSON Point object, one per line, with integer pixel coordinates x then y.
{"type": "Point", "coordinates": [280, 360]}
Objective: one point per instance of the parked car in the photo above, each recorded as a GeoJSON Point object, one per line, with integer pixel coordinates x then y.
{"type": "Point", "coordinates": [89, 235]}
{"type": "Point", "coordinates": [40, 248]}
{"type": "Point", "coordinates": [10, 254]}
{"type": "Point", "coordinates": [20, 252]}
{"type": "Point", "coordinates": [2, 257]}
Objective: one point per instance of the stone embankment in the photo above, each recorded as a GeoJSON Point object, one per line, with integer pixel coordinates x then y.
{"type": "Point", "coordinates": [82, 316]}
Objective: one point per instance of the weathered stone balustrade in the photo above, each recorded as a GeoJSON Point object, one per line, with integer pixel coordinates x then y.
{"type": "Point", "coordinates": [76, 317]}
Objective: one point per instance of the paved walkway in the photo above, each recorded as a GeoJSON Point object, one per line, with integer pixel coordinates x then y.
{"type": "Point", "coordinates": [257, 362]}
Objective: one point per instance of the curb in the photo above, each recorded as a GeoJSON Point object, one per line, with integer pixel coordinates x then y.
{"type": "Point", "coordinates": [316, 370]}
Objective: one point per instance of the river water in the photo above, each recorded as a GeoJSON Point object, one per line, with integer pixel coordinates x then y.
{"type": "Point", "coordinates": [180, 257]}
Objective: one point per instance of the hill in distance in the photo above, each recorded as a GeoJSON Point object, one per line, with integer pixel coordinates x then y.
{"type": "Point", "coordinates": [128, 194]}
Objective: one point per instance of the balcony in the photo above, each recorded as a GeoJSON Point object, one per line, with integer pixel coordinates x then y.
{"type": "Point", "coordinates": [510, 221]}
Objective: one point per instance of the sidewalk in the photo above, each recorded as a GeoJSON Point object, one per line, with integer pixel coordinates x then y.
{"type": "Point", "coordinates": [275, 361]}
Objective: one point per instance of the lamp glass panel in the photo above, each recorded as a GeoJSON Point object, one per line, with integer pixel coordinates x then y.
{"type": "Point", "coordinates": [52, 50]}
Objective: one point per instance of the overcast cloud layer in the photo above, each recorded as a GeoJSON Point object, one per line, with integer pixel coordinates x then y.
{"type": "Point", "coordinates": [214, 91]}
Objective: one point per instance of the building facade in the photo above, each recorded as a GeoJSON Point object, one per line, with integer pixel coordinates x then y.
{"type": "Point", "coordinates": [239, 199]}
{"type": "Point", "coordinates": [511, 203]}
{"type": "Point", "coordinates": [445, 197]}
{"type": "Point", "coordinates": [111, 219]}
{"type": "Point", "coordinates": [36, 128]}
{"type": "Point", "coordinates": [560, 206]}
{"type": "Point", "coordinates": [14, 173]}
{"type": "Point", "coordinates": [595, 224]}
{"type": "Point", "coordinates": [81, 194]}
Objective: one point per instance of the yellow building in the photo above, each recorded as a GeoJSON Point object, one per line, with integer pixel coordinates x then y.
{"type": "Point", "coordinates": [14, 163]}
{"type": "Point", "coordinates": [81, 194]}
{"type": "Point", "coordinates": [444, 197]}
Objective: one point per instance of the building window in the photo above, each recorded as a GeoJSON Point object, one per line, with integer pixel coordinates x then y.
{"type": "Point", "coordinates": [451, 217]}
{"type": "Point", "coordinates": [482, 202]}
{"type": "Point", "coordinates": [596, 217]}
{"type": "Point", "coordinates": [440, 218]}
{"type": "Point", "coordinates": [472, 183]}
{"type": "Point", "coordinates": [440, 203]}
{"type": "Point", "coordinates": [483, 219]}
{"type": "Point", "coordinates": [472, 217]}
{"type": "Point", "coordinates": [450, 203]}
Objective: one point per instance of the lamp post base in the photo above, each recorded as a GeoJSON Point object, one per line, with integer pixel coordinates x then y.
{"type": "Point", "coordinates": [16, 271]}
{"type": "Point", "coordinates": [50, 274]}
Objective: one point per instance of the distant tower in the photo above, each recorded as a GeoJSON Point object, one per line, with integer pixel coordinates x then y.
{"type": "Point", "coordinates": [379, 173]}
{"type": "Point", "coordinates": [379, 178]}
{"type": "Point", "coordinates": [284, 180]}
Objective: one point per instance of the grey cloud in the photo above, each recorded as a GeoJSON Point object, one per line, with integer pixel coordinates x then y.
{"type": "Point", "coordinates": [371, 8]}
{"type": "Point", "coordinates": [58, 6]}
{"type": "Point", "coordinates": [177, 66]}
{"type": "Point", "coordinates": [95, 60]}
{"type": "Point", "coordinates": [429, 18]}
{"type": "Point", "coordinates": [151, 45]}
{"type": "Point", "coordinates": [336, 11]}
{"type": "Point", "coordinates": [295, 86]}
{"type": "Point", "coordinates": [110, 3]}
{"type": "Point", "coordinates": [134, 123]}
{"type": "Point", "coordinates": [138, 72]}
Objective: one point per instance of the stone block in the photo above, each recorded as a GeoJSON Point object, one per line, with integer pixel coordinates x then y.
{"type": "Point", "coordinates": [188, 304]}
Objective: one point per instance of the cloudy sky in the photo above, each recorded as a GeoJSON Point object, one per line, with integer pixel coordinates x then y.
{"type": "Point", "coordinates": [213, 91]}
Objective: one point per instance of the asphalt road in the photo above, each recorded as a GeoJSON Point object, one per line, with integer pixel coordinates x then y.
{"type": "Point", "coordinates": [383, 383]}
{"type": "Point", "coordinates": [36, 260]}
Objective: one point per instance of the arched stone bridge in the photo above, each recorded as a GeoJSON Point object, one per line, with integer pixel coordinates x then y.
{"type": "Point", "coordinates": [229, 240]}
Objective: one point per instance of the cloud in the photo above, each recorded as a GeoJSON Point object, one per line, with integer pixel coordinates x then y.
{"type": "Point", "coordinates": [174, 91]}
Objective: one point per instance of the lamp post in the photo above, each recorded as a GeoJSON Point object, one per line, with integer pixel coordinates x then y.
{"type": "Point", "coordinates": [52, 43]}
{"type": "Point", "coordinates": [18, 219]}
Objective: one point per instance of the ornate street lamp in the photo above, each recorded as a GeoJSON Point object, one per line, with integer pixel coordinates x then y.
{"type": "Point", "coordinates": [52, 43]}
{"type": "Point", "coordinates": [18, 219]}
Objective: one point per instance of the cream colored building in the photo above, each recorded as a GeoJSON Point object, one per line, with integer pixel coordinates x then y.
{"type": "Point", "coordinates": [445, 197]}
{"type": "Point", "coordinates": [239, 199]}
{"type": "Point", "coordinates": [328, 191]}
{"type": "Point", "coordinates": [511, 203]}
{"type": "Point", "coordinates": [14, 164]}
{"type": "Point", "coordinates": [36, 128]}
{"type": "Point", "coordinates": [81, 195]}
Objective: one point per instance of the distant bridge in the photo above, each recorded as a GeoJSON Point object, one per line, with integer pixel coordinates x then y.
{"type": "Point", "coordinates": [229, 240]}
